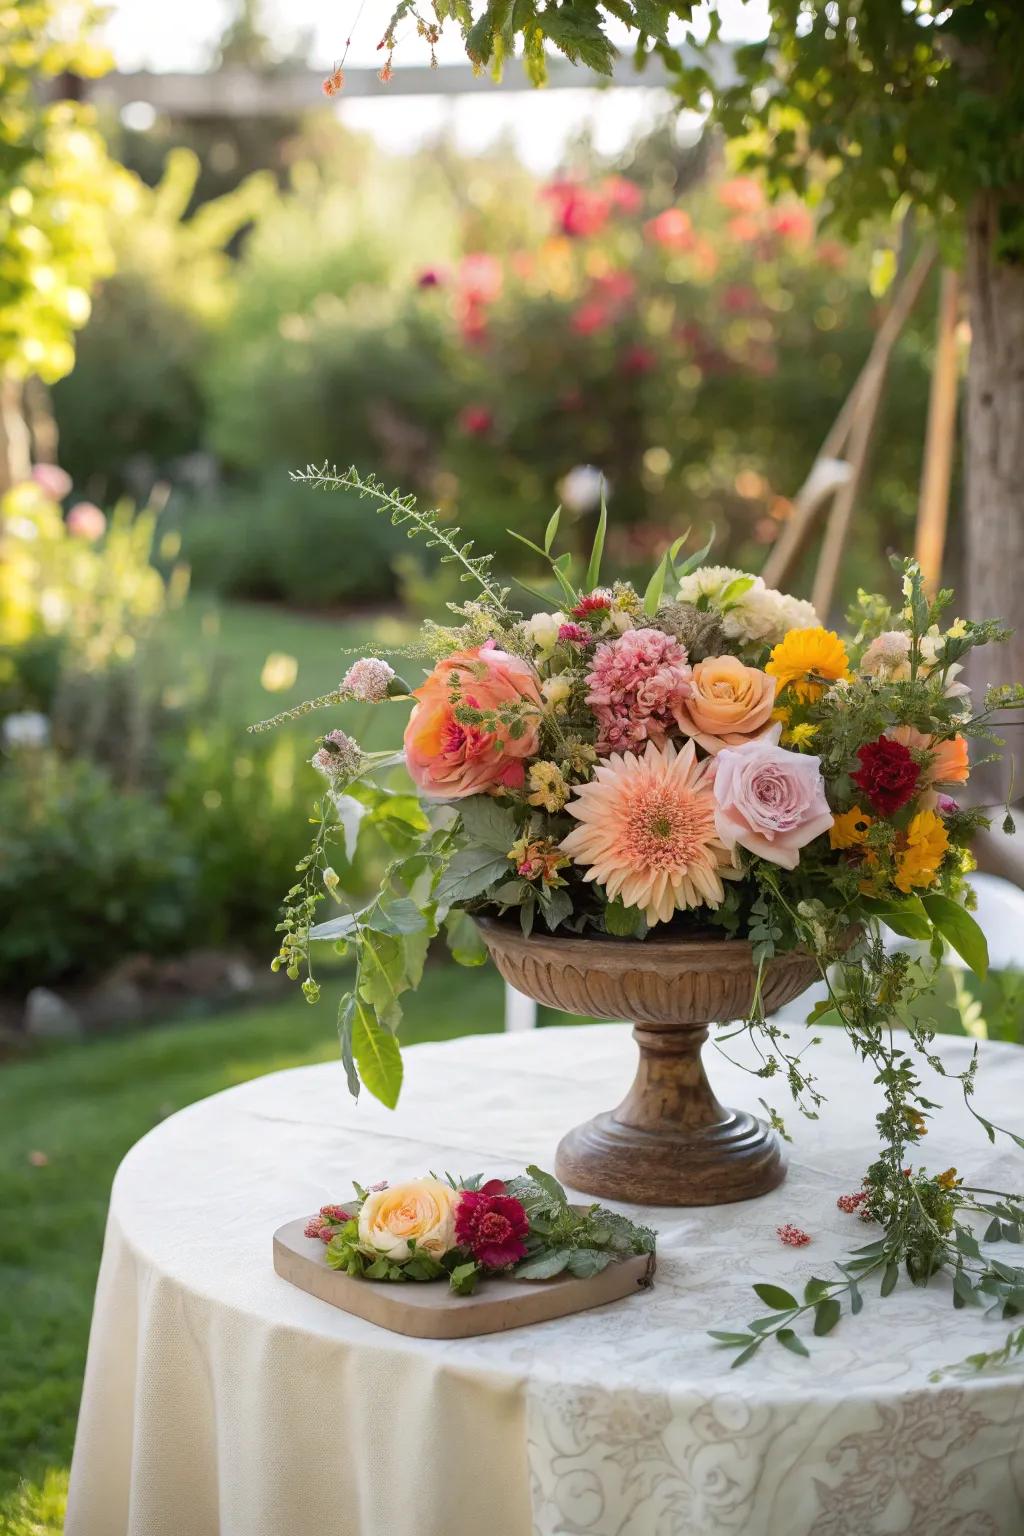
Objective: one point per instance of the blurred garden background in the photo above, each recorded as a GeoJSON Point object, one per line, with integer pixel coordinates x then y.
{"type": "Point", "coordinates": [196, 300]}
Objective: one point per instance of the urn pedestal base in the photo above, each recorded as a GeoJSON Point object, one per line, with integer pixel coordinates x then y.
{"type": "Point", "coordinates": [670, 1142]}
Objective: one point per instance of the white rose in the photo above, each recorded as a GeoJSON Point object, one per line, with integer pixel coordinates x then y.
{"type": "Point", "coordinates": [420, 1209]}
{"type": "Point", "coordinates": [543, 629]}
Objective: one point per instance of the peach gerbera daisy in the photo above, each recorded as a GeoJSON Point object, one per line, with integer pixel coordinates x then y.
{"type": "Point", "coordinates": [647, 831]}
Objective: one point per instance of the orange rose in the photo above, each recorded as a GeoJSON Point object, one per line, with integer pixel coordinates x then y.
{"type": "Point", "coordinates": [949, 761]}
{"type": "Point", "coordinates": [450, 759]}
{"type": "Point", "coordinates": [729, 703]}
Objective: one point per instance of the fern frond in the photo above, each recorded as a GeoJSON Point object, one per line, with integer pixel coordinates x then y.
{"type": "Point", "coordinates": [404, 512]}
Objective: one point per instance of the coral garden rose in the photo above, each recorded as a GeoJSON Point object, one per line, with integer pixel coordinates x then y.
{"type": "Point", "coordinates": [728, 703]}
{"type": "Point", "coordinates": [449, 759]}
{"type": "Point", "coordinates": [422, 1210]}
{"type": "Point", "coordinates": [948, 762]}
{"type": "Point", "coordinates": [769, 801]}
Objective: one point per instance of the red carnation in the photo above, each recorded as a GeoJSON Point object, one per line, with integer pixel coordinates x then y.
{"type": "Point", "coordinates": [574, 634]}
{"type": "Point", "coordinates": [887, 774]}
{"type": "Point", "coordinates": [594, 602]}
{"type": "Point", "coordinates": [492, 1225]}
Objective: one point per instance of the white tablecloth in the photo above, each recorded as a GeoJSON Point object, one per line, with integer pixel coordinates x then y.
{"type": "Point", "coordinates": [219, 1399]}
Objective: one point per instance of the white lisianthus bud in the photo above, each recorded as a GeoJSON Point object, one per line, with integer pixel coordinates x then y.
{"type": "Point", "coordinates": [331, 878]}
{"type": "Point", "coordinates": [543, 629]}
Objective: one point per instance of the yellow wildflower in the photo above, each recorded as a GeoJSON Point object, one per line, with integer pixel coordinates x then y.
{"type": "Point", "coordinates": [548, 788]}
{"type": "Point", "coordinates": [849, 829]}
{"type": "Point", "coordinates": [804, 652]}
{"type": "Point", "coordinates": [947, 1180]}
{"type": "Point", "coordinates": [799, 736]}
{"type": "Point", "coordinates": [927, 844]}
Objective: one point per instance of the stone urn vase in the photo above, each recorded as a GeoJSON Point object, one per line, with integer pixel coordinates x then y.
{"type": "Point", "coordinates": [670, 1142]}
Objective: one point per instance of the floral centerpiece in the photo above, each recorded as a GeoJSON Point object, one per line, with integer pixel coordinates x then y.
{"type": "Point", "coordinates": [699, 759]}
{"type": "Point", "coordinates": [466, 1230]}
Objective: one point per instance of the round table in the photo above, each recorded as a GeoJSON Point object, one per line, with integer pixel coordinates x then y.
{"type": "Point", "coordinates": [221, 1401]}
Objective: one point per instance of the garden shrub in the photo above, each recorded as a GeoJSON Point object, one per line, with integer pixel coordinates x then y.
{"type": "Point", "coordinates": [88, 873]}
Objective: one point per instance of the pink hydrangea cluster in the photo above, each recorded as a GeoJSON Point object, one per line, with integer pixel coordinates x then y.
{"type": "Point", "coordinates": [635, 683]}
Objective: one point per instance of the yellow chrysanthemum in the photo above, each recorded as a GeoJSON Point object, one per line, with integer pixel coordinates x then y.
{"type": "Point", "coordinates": [849, 829]}
{"type": "Point", "coordinates": [804, 652]}
{"type": "Point", "coordinates": [927, 843]}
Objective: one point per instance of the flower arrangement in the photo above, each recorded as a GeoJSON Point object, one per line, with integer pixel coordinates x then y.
{"type": "Point", "coordinates": [466, 1230]}
{"type": "Point", "coordinates": [702, 757]}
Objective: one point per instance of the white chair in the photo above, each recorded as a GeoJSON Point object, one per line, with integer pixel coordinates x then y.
{"type": "Point", "coordinates": [520, 1011]}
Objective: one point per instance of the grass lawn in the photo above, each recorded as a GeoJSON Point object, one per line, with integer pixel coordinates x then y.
{"type": "Point", "coordinates": [239, 637]}
{"type": "Point", "coordinates": [66, 1120]}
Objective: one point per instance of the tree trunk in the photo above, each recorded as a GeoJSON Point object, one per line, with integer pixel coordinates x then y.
{"type": "Point", "coordinates": [15, 442]}
{"type": "Point", "coordinates": [994, 457]}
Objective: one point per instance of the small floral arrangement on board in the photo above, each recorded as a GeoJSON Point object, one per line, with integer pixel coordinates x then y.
{"type": "Point", "coordinates": [466, 1230]}
{"type": "Point", "coordinates": [700, 756]}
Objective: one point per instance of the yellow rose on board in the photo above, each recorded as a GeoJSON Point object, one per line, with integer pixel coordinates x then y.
{"type": "Point", "coordinates": [422, 1210]}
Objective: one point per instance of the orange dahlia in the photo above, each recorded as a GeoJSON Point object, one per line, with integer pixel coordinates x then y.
{"type": "Point", "coordinates": [647, 831]}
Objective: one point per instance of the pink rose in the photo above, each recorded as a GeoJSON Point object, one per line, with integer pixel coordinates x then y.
{"type": "Point", "coordinates": [86, 521]}
{"type": "Point", "coordinates": [448, 758]}
{"type": "Point", "coordinates": [52, 480]}
{"type": "Point", "coordinates": [769, 801]}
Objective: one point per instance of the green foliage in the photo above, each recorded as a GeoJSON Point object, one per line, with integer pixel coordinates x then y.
{"type": "Point", "coordinates": [869, 101]}
{"type": "Point", "coordinates": [56, 184]}
{"type": "Point", "coordinates": [136, 389]}
{"type": "Point", "coordinates": [88, 874]}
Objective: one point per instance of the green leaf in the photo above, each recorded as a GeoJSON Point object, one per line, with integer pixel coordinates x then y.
{"type": "Point", "coordinates": [815, 1289]}
{"type": "Point", "coordinates": [488, 824]}
{"type": "Point", "coordinates": [528, 542]}
{"type": "Point", "coordinates": [889, 1278]}
{"type": "Point", "coordinates": [593, 575]}
{"type": "Point", "coordinates": [789, 1340]}
{"type": "Point", "coordinates": [551, 530]}
{"type": "Point", "coordinates": [624, 922]}
{"type": "Point", "coordinates": [994, 1231]}
{"type": "Point", "coordinates": [656, 587]}
{"type": "Point", "coordinates": [562, 571]}
{"type": "Point", "coordinates": [377, 1056]}
{"type": "Point", "coordinates": [907, 918]}
{"type": "Point", "coordinates": [397, 915]}
{"type": "Point", "coordinates": [464, 939]}
{"type": "Point", "coordinates": [584, 1262]}
{"type": "Point", "coordinates": [545, 1266]}
{"type": "Point", "coordinates": [960, 931]}
{"type": "Point", "coordinates": [549, 1184]}
{"type": "Point", "coordinates": [745, 1354]}
{"type": "Point", "coordinates": [469, 874]}
{"type": "Point", "coordinates": [346, 1017]}
{"type": "Point", "coordinates": [826, 1315]}
{"type": "Point", "coordinates": [692, 562]}
{"type": "Point", "coordinates": [731, 1338]}
{"type": "Point", "coordinates": [775, 1296]}
{"type": "Point", "coordinates": [964, 1289]}
{"type": "Point", "coordinates": [463, 1278]}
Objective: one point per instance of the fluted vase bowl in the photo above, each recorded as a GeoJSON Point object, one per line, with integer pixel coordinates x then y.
{"type": "Point", "coordinates": [670, 1142]}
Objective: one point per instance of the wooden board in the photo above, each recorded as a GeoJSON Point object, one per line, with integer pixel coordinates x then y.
{"type": "Point", "coordinates": [430, 1310]}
